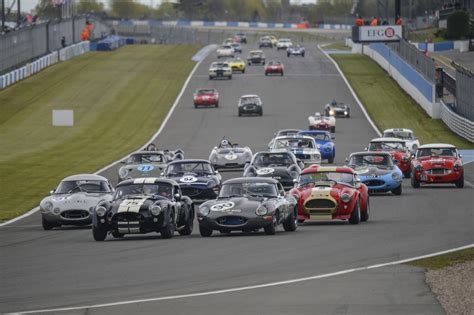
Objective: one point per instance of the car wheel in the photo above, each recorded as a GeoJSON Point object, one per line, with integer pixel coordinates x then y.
{"type": "Point", "coordinates": [331, 159]}
{"type": "Point", "coordinates": [47, 225]}
{"type": "Point", "coordinates": [301, 221]}
{"type": "Point", "coordinates": [99, 235]}
{"type": "Point", "coordinates": [288, 55]}
{"type": "Point", "coordinates": [240, 113]}
{"type": "Point", "coordinates": [460, 182]}
{"type": "Point", "coordinates": [397, 191]}
{"type": "Point", "coordinates": [261, 112]}
{"type": "Point", "coordinates": [355, 215]}
{"type": "Point", "coordinates": [188, 226]}
{"type": "Point", "coordinates": [204, 231]}
{"type": "Point", "coordinates": [414, 182]}
{"type": "Point", "coordinates": [116, 234]}
{"type": "Point", "coordinates": [243, 71]}
{"type": "Point", "coordinates": [230, 77]}
{"type": "Point", "coordinates": [168, 230]}
{"type": "Point", "coordinates": [217, 105]}
{"type": "Point", "coordinates": [266, 73]}
{"type": "Point", "coordinates": [407, 174]}
{"type": "Point", "coordinates": [282, 73]}
{"type": "Point", "coordinates": [333, 129]}
{"type": "Point", "coordinates": [270, 229]}
{"type": "Point", "coordinates": [195, 106]}
{"type": "Point", "coordinates": [290, 224]}
{"type": "Point", "coordinates": [364, 216]}
{"type": "Point", "coordinates": [302, 55]}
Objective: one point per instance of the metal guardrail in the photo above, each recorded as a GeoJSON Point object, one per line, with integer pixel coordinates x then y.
{"type": "Point", "coordinates": [449, 83]}
{"type": "Point", "coordinates": [458, 124]}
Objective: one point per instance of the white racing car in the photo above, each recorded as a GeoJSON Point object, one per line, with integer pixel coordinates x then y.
{"type": "Point", "coordinates": [303, 147]}
{"type": "Point", "coordinates": [284, 43]}
{"type": "Point", "coordinates": [229, 156]}
{"type": "Point", "coordinates": [405, 134]}
{"type": "Point", "coordinates": [220, 70]}
{"type": "Point", "coordinates": [225, 51]}
{"type": "Point", "coordinates": [318, 122]}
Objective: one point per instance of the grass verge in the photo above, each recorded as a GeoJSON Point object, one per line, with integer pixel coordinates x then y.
{"type": "Point", "coordinates": [389, 106]}
{"type": "Point", "coordinates": [446, 260]}
{"type": "Point", "coordinates": [336, 46]}
{"type": "Point", "coordinates": [119, 99]}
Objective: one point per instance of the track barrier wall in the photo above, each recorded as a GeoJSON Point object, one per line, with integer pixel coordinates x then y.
{"type": "Point", "coordinates": [460, 125]}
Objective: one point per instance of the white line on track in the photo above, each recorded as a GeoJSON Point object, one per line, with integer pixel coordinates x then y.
{"type": "Point", "coordinates": [352, 91]}
{"type": "Point", "coordinates": [245, 288]}
{"type": "Point", "coordinates": [162, 126]}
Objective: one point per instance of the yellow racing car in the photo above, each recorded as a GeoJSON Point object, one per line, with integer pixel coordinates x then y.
{"type": "Point", "coordinates": [274, 40]}
{"type": "Point", "coordinates": [237, 64]}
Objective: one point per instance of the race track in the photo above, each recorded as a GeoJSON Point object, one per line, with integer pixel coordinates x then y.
{"type": "Point", "coordinates": [62, 268]}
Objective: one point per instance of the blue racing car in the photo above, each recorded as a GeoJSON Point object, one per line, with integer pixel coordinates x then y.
{"type": "Point", "coordinates": [325, 142]}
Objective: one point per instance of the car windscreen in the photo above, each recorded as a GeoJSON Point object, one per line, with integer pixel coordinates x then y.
{"type": "Point", "coordinates": [340, 177]}
{"type": "Point", "coordinates": [141, 158]}
{"type": "Point", "coordinates": [198, 168]}
{"type": "Point", "coordinates": [255, 54]}
{"type": "Point", "coordinates": [249, 100]}
{"type": "Point", "coordinates": [258, 189]}
{"type": "Point", "coordinates": [274, 63]}
{"type": "Point", "coordinates": [318, 136]}
{"type": "Point", "coordinates": [302, 143]}
{"type": "Point", "coordinates": [90, 186]}
{"type": "Point", "coordinates": [206, 91]}
{"type": "Point", "coordinates": [228, 150]}
{"type": "Point", "coordinates": [387, 146]}
{"type": "Point", "coordinates": [434, 152]}
{"type": "Point", "coordinates": [160, 189]}
{"type": "Point", "coordinates": [287, 132]}
{"type": "Point", "coordinates": [398, 134]}
{"type": "Point", "coordinates": [371, 159]}
{"type": "Point", "coordinates": [272, 159]}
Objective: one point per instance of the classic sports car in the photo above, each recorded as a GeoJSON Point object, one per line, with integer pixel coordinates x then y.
{"type": "Point", "coordinates": [73, 201]}
{"type": "Point", "coordinates": [377, 171]}
{"type": "Point", "coordinates": [220, 70]}
{"type": "Point", "coordinates": [284, 43]}
{"type": "Point", "coordinates": [436, 164]}
{"type": "Point", "coordinates": [197, 178]}
{"type": "Point", "coordinates": [274, 39]}
{"type": "Point", "coordinates": [229, 156]}
{"type": "Point", "coordinates": [250, 104]}
{"type": "Point", "coordinates": [147, 163]}
{"type": "Point", "coordinates": [324, 141]}
{"type": "Point", "coordinates": [303, 147]}
{"type": "Point", "coordinates": [282, 166]}
{"type": "Point", "coordinates": [400, 153]}
{"type": "Point", "coordinates": [237, 64]}
{"type": "Point", "coordinates": [265, 41]}
{"type": "Point", "coordinates": [248, 204]}
{"type": "Point", "coordinates": [240, 38]}
{"type": "Point", "coordinates": [206, 97]}
{"type": "Point", "coordinates": [256, 57]}
{"type": "Point", "coordinates": [318, 122]}
{"type": "Point", "coordinates": [225, 51]}
{"type": "Point", "coordinates": [274, 67]}
{"type": "Point", "coordinates": [405, 134]}
{"type": "Point", "coordinates": [283, 132]}
{"type": "Point", "coordinates": [295, 51]}
{"type": "Point", "coordinates": [337, 109]}
{"type": "Point", "coordinates": [237, 47]}
{"type": "Point", "coordinates": [144, 205]}
{"type": "Point", "coordinates": [331, 193]}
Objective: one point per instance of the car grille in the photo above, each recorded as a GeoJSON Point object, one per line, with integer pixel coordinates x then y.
{"type": "Point", "coordinates": [320, 204]}
{"type": "Point", "coordinates": [75, 214]}
{"type": "Point", "coordinates": [231, 165]}
{"type": "Point", "coordinates": [438, 171]}
{"type": "Point", "coordinates": [374, 182]}
{"type": "Point", "coordinates": [249, 107]}
{"type": "Point", "coordinates": [191, 191]}
{"type": "Point", "coordinates": [303, 156]}
{"type": "Point", "coordinates": [231, 220]}
{"type": "Point", "coordinates": [129, 222]}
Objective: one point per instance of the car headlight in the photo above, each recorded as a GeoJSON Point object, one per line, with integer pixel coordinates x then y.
{"type": "Point", "coordinates": [123, 172]}
{"type": "Point", "coordinates": [261, 210]}
{"type": "Point", "coordinates": [396, 176]}
{"type": "Point", "coordinates": [48, 206]}
{"type": "Point", "coordinates": [100, 211]}
{"type": "Point", "coordinates": [331, 112]}
{"type": "Point", "coordinates": [345, 197]}
{"type": "Point", "coordinates": [345, 112]}
{"type": "Point", "coordinates": [204, 210]}
{"type": "Point", "coordinates": [457, 167]}
{"type": "Point", "coordinates": [155, 210]}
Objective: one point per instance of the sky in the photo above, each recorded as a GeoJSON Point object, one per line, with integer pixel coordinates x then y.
{"type": "Point", "coordinates": [27, 5]}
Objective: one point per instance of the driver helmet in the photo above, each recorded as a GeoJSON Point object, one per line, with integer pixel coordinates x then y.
{"type": "Point", "coordinates": [224, 143]}
{"type": "Point", "coordinates": [333, 102]}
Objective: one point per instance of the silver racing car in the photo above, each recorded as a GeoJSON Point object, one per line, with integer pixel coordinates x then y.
{"type": "Point", "coordinates": [229, 156]}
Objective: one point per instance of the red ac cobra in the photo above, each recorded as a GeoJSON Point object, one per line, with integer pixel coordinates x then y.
{"type": "Point", "coordinates": [437, 164]}
{"type": "Point", "coordinates": [274, 67]}
{"type": "Point", "coordinates": [397, 149]}
{"type": "Point", "coordinates": [331, 193]}
{"type": "Point", "coordinates": [206, 97]}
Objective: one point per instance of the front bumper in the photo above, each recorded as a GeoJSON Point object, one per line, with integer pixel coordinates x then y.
{"type": "Point", "coordinates": [426, 178]}
{"type": "Point", "coordinates": [242, 223]}
{"type": "Point", "coordinates": [247, 110]}
{"type": "Point", "coordinates": [380, 184]}
{"type": "Point", "coordinates": [68, 217]}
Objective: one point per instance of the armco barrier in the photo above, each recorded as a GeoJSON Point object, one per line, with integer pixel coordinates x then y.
{"type": "Point", "coordinates": [458, 124]}
{"type": "Point", "coordinates": [74, 50]}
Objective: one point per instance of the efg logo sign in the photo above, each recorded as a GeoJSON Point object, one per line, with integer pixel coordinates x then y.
{"type": "Point", "coordinates": [380, 33]}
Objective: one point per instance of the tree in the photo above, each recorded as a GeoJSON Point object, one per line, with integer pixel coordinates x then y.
{"type": "Point", "coordinates": [89, 6]}
{"type": "Point", "coordinates": [46, 10]}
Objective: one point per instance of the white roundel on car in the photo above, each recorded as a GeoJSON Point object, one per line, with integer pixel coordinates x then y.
{"type": "Point", "coordinates": [188, 179]}
{"type": "Point", "coordinates": [265, 171]}
{"type": "Point", "coordinates": [231, 156]}
{"type": "Point", "coordinates": [223, 206]}
{"type": "Point", "coordinates": [145, 168]}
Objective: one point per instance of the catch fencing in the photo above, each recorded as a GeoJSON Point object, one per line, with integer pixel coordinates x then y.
{"type": "Point", "coordinates": [24, 45]}
{"type": "Point", "coordinates": [464, 92]}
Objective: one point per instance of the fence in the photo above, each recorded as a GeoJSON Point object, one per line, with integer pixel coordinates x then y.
{"type": "Point", "coordinates": [416, 58]}
{"type": "Point", "coordinates": [464, 92]}
{"type": "Point", "coordinates": [458, 124]}
{"type": "Point", "coordinates": [24, 45]}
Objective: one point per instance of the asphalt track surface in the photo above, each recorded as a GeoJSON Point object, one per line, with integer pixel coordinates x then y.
{"type": "Point", "coordinates": [65, 267]}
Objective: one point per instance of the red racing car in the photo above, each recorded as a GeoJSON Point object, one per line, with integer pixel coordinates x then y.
{"type": "Point", "coordinates": [398, 150]}
{"type": "Point", "coordinates": [206, 97]}
{"type": "Point", "coordinates": [274, 67]}
{"type": "Point", "coordinates": [331, 193]}
{"type": "Point", "coordinates": [435, 164]}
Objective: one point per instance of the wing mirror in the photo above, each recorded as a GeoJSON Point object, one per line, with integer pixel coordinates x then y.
{"type": "Point", "coordinates": [123, 162]}
{"type": "Point", "coordinates": [366, 149]}
{"type": "Point", "coordinates": [460, 156]}
{"type": "Point", "coordinates": [52, 191]}
{"type": "Point", "coordinates": [177, 197]}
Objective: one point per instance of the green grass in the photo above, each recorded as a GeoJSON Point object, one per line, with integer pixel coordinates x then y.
{"type": "Point", "coordinates": [422, 35]}
{"type": "Point", "coordinates": [336, 46]}
{"type": "Point", "coordinates": [446, 260]}
{"type": "Point", "coordinates": [389, 106]}
{"type": "Point", "coordinates": [119, 99]}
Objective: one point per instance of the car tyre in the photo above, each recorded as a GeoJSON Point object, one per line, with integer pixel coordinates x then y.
{"type": "Point", "coordinates": [188, 226]}
{"type": "Point", "coordinates": [414, 182]}
{"type": "Point", "coordinates": [168, 230]}
{"type": "Point", "coordinates": [266, 73]}
{"type": "Point", "coordinates": [460, 182]}
{"type": "Point", "coordinates": [355, 215]}
{"type": "Point", "coordinates": [47, 226]}
{"type": "Point", "coordinates": [260, 113]}
{"type": "Point", "coordinates": [397, 191]}
{"type": "Point", "coordinates": [290, 224]}
{"type": "Point", "coordinates": [407, 174]}
{"type": "Point", "coordinates": [333, 129]}
{"type": "Point", "coordinates": [204, 231]}
{"type": "Point", "coordinates": [364, 216]}
{"type": "Point", "coordinates": [240, 113]}
{"type": "Point", "coordinates": [98, 234]}
{"type": "Point", "coordinates": [270, 229]}
{"type": "Point", "coordinates": [331, 159]}
{"type": "Point", "coordinates": [282, 73]}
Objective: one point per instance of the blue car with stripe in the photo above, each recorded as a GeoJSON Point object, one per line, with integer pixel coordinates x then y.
{"type": "Point", "coordinates": [324, 141]}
